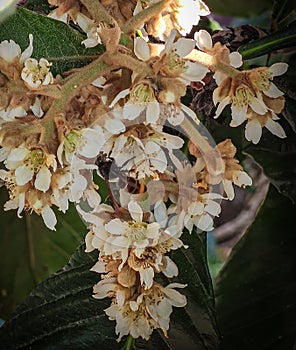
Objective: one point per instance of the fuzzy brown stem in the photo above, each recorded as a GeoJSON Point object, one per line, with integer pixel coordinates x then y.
{"type": "Point", "coordinates": [98, 12]}
{"type": "Point", "coordinates": [212, 63]}
{"type": "Point", "coordinates": [136, 21]}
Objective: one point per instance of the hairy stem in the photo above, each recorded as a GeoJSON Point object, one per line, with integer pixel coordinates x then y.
{"type": "Point", "coordinates": [212, 63]}
{"type": "Point", "coordinates": [136, 21]}
{"type": "Point", "coordinates": [123, 60]}
{"type": "Point", "coordinates": [83, 76]}
{"type": "Point", "coordinates": [98, 12]}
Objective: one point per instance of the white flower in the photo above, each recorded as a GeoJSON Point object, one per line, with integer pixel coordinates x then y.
{"type": "Point", "coordinates": [36, 73]}
{"type": "Point", "coordinates": [263, 79]}
{"type": "Point", "coordinates": [171, 58]}
{"type": "Point", "coordinates": [134, 233]}
{"type": "Point", "coordinates": [188, 14]}
{"type": "Point", "coordinates": [151, 310]}
{"type": "Point", "coordinates": [10, 51]}
{"type": "Point", "coordinates": [27, 164]}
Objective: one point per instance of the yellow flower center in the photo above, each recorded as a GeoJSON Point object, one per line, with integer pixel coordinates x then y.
{"type": "Point", "coordinates": [35, 160]}
{"type": "Point", "coordinates": [263, 83]}
{"type": "Point", "coordinates": [137, 231]}
{"type": "Point", "coordinates": [174, 66]}
{"type": "Point", "coordinates": [242, 97]}
{"type": "Point", "coordinates": [142, 93]}
{"type": "Point", "coordinates": [71, 141]}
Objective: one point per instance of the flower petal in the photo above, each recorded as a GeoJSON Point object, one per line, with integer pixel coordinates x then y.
{"type": "Point", "coordinates": [278, 68]}
{"type": "Point", "coordinates": [275, 128]}
{"type": "Point", "coordinates": [183, 47]}
{"type": "Point", "coordinates": [253, 131]}
{"type": "Point", "coordinates": [203, 40]}
{"type": "Point", "coordinates": [273, 91]}
{"type": "Point", "coordinates": [235, 59]}
{"type": "Point", "coordinates": [135, 211]}
{"type": "Point", "coordinates": [43, 179]}
{"type": "Point", "coordinates": [23, 174]}
{"type": "Point", "coordinates": [141, 49]}
{"type": "Point", "coordinates": [49, 217]}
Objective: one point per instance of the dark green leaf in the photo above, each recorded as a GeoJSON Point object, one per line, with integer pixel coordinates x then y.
{"type": "Point", "coordinates": [289, 113]}
{"type": "Point", "coordinates": [53, 40]}
{"type": "Point", "coordinates": [283, 11]}
{"type": "Point", "coordinates": [238, 8]}
{"type": "Point", "coordinates": [39, 6]}
{"type": "Point", "coordinates": [256, 288]}
{"type": "Point", "coordinates": [30, 252]}
{"type": "Point", "coordinates": [284, 38]}
{"type": "Point", "coordinates": [277, 157]}
{"type": "Point", "coordinates": [61, 314]}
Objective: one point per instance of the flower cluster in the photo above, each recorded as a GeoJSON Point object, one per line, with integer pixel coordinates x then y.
{"type": "Point", "coordinates": [252, 94]}
{"type": "Point", "coordinates": [122, 117]}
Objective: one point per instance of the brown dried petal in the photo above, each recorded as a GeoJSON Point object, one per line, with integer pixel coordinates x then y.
{"type": "Point", "coordinates": [127, 277]}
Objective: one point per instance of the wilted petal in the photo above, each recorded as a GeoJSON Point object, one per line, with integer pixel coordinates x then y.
{"type": "Point", "coordinates": [99, 82]}
{"type": "Point", "coordinates": [119, 96]}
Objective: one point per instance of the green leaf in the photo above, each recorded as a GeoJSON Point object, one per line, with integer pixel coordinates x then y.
{"type": "Point", "coordinates": [283, 12]}
{"type": "Point", "coordinates": [53, 40]}
{"type": "Point", "coordinates": [277, 157]}
{"type": "Point", "coordinates": [280, 39]}
{"type": "Point", "coordinates": [30, 252]}
{"type": "Point", "coordinates": [40, 6]}
{"type": "Point", "coordinates": [236, 8]}
{"type": "Point", "coordinates": [61, 313]}
{"type": "Point", "coordinates": [256, 288]}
